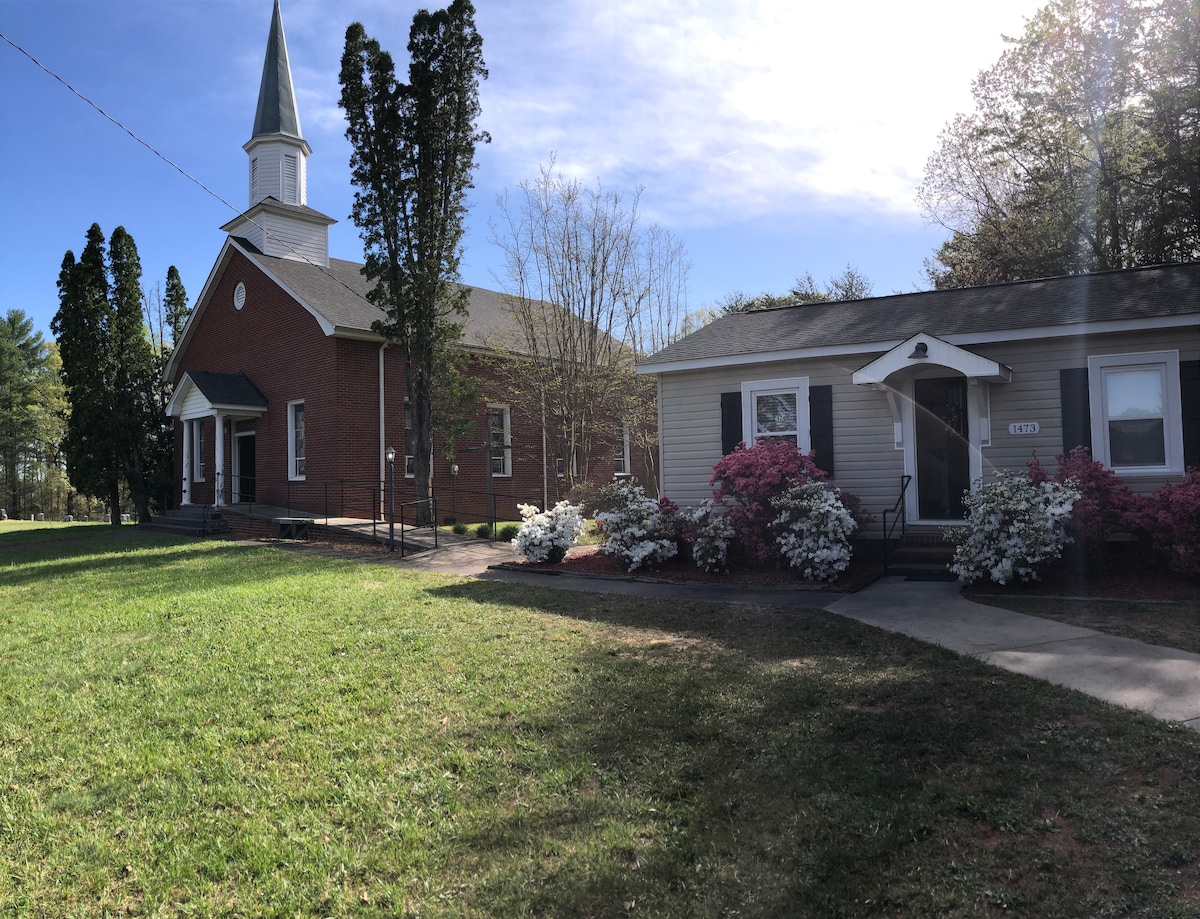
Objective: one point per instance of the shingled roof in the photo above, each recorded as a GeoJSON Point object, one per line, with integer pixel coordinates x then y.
{"type": "Point", "coordinates": [1137, 295]}
{"type": "Point", "coordinates": [339, 294]}
{"type": "Point", "coordinates": [228, 389]}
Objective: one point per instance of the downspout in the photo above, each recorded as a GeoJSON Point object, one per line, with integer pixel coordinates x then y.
{"type": "Point", "coordinates": [382, 425]}
{"type": "Point", "coordinates": [545, 477]}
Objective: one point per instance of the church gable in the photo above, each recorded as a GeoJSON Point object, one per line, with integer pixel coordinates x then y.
{"type": "Point", "coordinates": [244, 319]}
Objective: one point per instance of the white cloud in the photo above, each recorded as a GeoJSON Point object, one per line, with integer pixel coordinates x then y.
{"type": "Point", "coordinates": [747, 109]}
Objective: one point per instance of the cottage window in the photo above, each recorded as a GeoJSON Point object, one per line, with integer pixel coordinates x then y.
{"type": "Point", "coordinates": [776, 410]}
{"type": "Point", "coordinates": [1136, 418]}
{"type": "Point", "coordinates": [296, 441]}
{"type": "Point", "coordinates": [498, 420]}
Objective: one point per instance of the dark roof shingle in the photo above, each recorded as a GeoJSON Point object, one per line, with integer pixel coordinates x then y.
{"type": "Point", "coordinates": [1137, 294]}
{"type": "Point", "coordinates": [228, 388]}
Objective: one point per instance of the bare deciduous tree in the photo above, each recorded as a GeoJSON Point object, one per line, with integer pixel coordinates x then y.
{"type": "Point", "coordinates": [590, 290]}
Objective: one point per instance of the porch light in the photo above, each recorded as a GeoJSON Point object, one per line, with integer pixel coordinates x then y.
{"type": "Point", "coordinates": [920, 352]}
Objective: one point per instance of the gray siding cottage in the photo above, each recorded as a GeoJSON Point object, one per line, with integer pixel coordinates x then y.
{"type": "Point", "coordinates": [945, 386]}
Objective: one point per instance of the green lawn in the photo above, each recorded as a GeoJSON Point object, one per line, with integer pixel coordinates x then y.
{"type": "Point", "coordinates": [1174, 625]}
{"type": "Point", "coordinates": [199, 729]}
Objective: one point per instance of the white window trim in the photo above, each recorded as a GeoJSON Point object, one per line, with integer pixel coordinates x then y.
{"type": "Point", "coordinates": [797, 385]}
{"type": "Point", "coordinates": [197, 449]}
{"type": "Point", "coordinates": [1168, 361]}
{"type": "Point", "coordinates": [559, 460]}
{"type": "Point", "coordinates": [623, 452]}
{"type": "Point", "coordinates": [291, 422]}
{"type": "Point", "coordinates": [410, 469]}
{"type": "Point", "coordinates": [505, 455]}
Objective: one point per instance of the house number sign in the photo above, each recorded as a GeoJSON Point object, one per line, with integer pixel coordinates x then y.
{"type": "Point", "coordinates": [1024, 427]}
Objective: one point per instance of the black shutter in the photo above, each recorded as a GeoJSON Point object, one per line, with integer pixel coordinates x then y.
{"type": "Point", "coordinates": [820, 417]}
{"type": "Point", "coordinates": [731, 421]}
{"type": "Point", "coordinates": [1189, 392]}
{"type": "Point", "coordinates": [1076, 408]}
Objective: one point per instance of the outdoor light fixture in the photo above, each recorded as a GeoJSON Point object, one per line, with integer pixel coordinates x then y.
{"type": "Point", "coordinates": [920, 352]}
{"type": "Point", "coordinates": [390, 455]}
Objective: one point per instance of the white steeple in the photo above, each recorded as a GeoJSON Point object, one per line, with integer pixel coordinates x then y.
{"type": "Point", "coordinates": [279, 221]}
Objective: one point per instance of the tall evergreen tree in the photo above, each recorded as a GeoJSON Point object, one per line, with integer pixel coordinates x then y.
{"type": "Point", "coordinates": [133, 382]}
{"type": "Point", "coordinates": [175, 300]}
{"type": "Point", "coordinates": [25, 393]}
{"type": "Point", "coordinates": [82, 327]}
{"type": "Point", "coordinates": [108, 369]}
{"type": "Point", "coordinates": [413, 154]}
{"type": "Point", "coordinates": [166, 314]}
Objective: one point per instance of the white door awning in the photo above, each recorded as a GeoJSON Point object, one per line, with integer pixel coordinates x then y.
{"type": "Point", "coordinates": [923, 351]}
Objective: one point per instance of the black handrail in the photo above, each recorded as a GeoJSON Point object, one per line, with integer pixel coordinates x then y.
{"type": "Point", "coordinates": [284, 493]}
{"type": "Point", "coordinates": [900, 509]}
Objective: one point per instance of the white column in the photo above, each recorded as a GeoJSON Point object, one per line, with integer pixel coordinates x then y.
{"type": "Point", "coordinates": [219, 485]}
{"type": "Point", "coordinates": [187, 463]}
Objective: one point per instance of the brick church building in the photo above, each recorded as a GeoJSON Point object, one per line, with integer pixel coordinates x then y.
{"type": "Point", "coordinates": [283, 395]}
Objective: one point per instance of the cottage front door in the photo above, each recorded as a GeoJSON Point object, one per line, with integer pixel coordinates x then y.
{"type": "Point", "coordinates": [942, 447]}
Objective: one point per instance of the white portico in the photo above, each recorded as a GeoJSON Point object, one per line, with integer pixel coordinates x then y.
{"type": "Point", "coordinates": [226, 398]}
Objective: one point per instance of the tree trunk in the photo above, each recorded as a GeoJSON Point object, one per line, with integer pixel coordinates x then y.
{"type": "Point", "coordinates": [420, 394]}
{"type": "Point", "coordinates": [114, 501]}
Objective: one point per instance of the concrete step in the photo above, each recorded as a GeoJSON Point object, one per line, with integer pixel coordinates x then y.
{"type": "Point", "coordinates": [190, 520]}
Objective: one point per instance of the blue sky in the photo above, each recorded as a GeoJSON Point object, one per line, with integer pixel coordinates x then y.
{"type": "Point", "coordinates": [773, 138]}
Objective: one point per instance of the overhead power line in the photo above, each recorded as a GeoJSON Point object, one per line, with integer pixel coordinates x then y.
{"type": "Point", "coordinates": [170, 162]}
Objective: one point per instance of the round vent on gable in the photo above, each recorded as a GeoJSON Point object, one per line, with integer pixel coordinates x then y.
{"type": "Point", "coordinates": [239, 296]}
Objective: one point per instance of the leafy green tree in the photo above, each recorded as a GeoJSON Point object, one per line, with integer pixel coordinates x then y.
{"type": "Point", "coordinates": [1082, 152]}
{"type": "Point", "coordinates": [851, 284]}
{"type": "Point", "coordinates": [413, 155]}
{"type": "Point", "coordinates": [108, 369]}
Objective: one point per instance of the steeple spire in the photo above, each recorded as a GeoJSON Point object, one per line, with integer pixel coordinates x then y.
{"type": "Point", "coordinates": [279, 221]}
{"type": "Point", "coordinates": [277, 112]}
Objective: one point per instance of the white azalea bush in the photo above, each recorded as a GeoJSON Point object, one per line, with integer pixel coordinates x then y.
{"type": "Point", "coordinates": [710, 534]}
{"type": "Point", "coordinates": [812, 529]}
{"type": "Point", "coordinates": [546, 536]}
{"type": "Point", "coordinates": [1013, 526]}
{"type": "Point", "coordinates": [638, 530]}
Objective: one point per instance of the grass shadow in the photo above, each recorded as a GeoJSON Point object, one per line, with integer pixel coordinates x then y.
{"type": "Point", "coordinates": [793, 763]}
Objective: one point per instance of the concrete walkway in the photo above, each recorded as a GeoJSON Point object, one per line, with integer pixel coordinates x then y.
{"type": "Point", "coordinates": [1162, 682]}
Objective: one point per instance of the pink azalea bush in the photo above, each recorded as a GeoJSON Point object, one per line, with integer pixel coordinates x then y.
{"type": "Point", "coordinates": [746, 481]}
{"type": "Point", "coordinates": [1105, 506]}
{"type": "Point", "coordinates": [1174, 523]}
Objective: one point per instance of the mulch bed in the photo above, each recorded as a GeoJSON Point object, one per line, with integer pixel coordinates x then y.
{"type": "Point", "coordinates": [1115, 579]}
{"type": "Point", "coordinates": [866, 566]}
